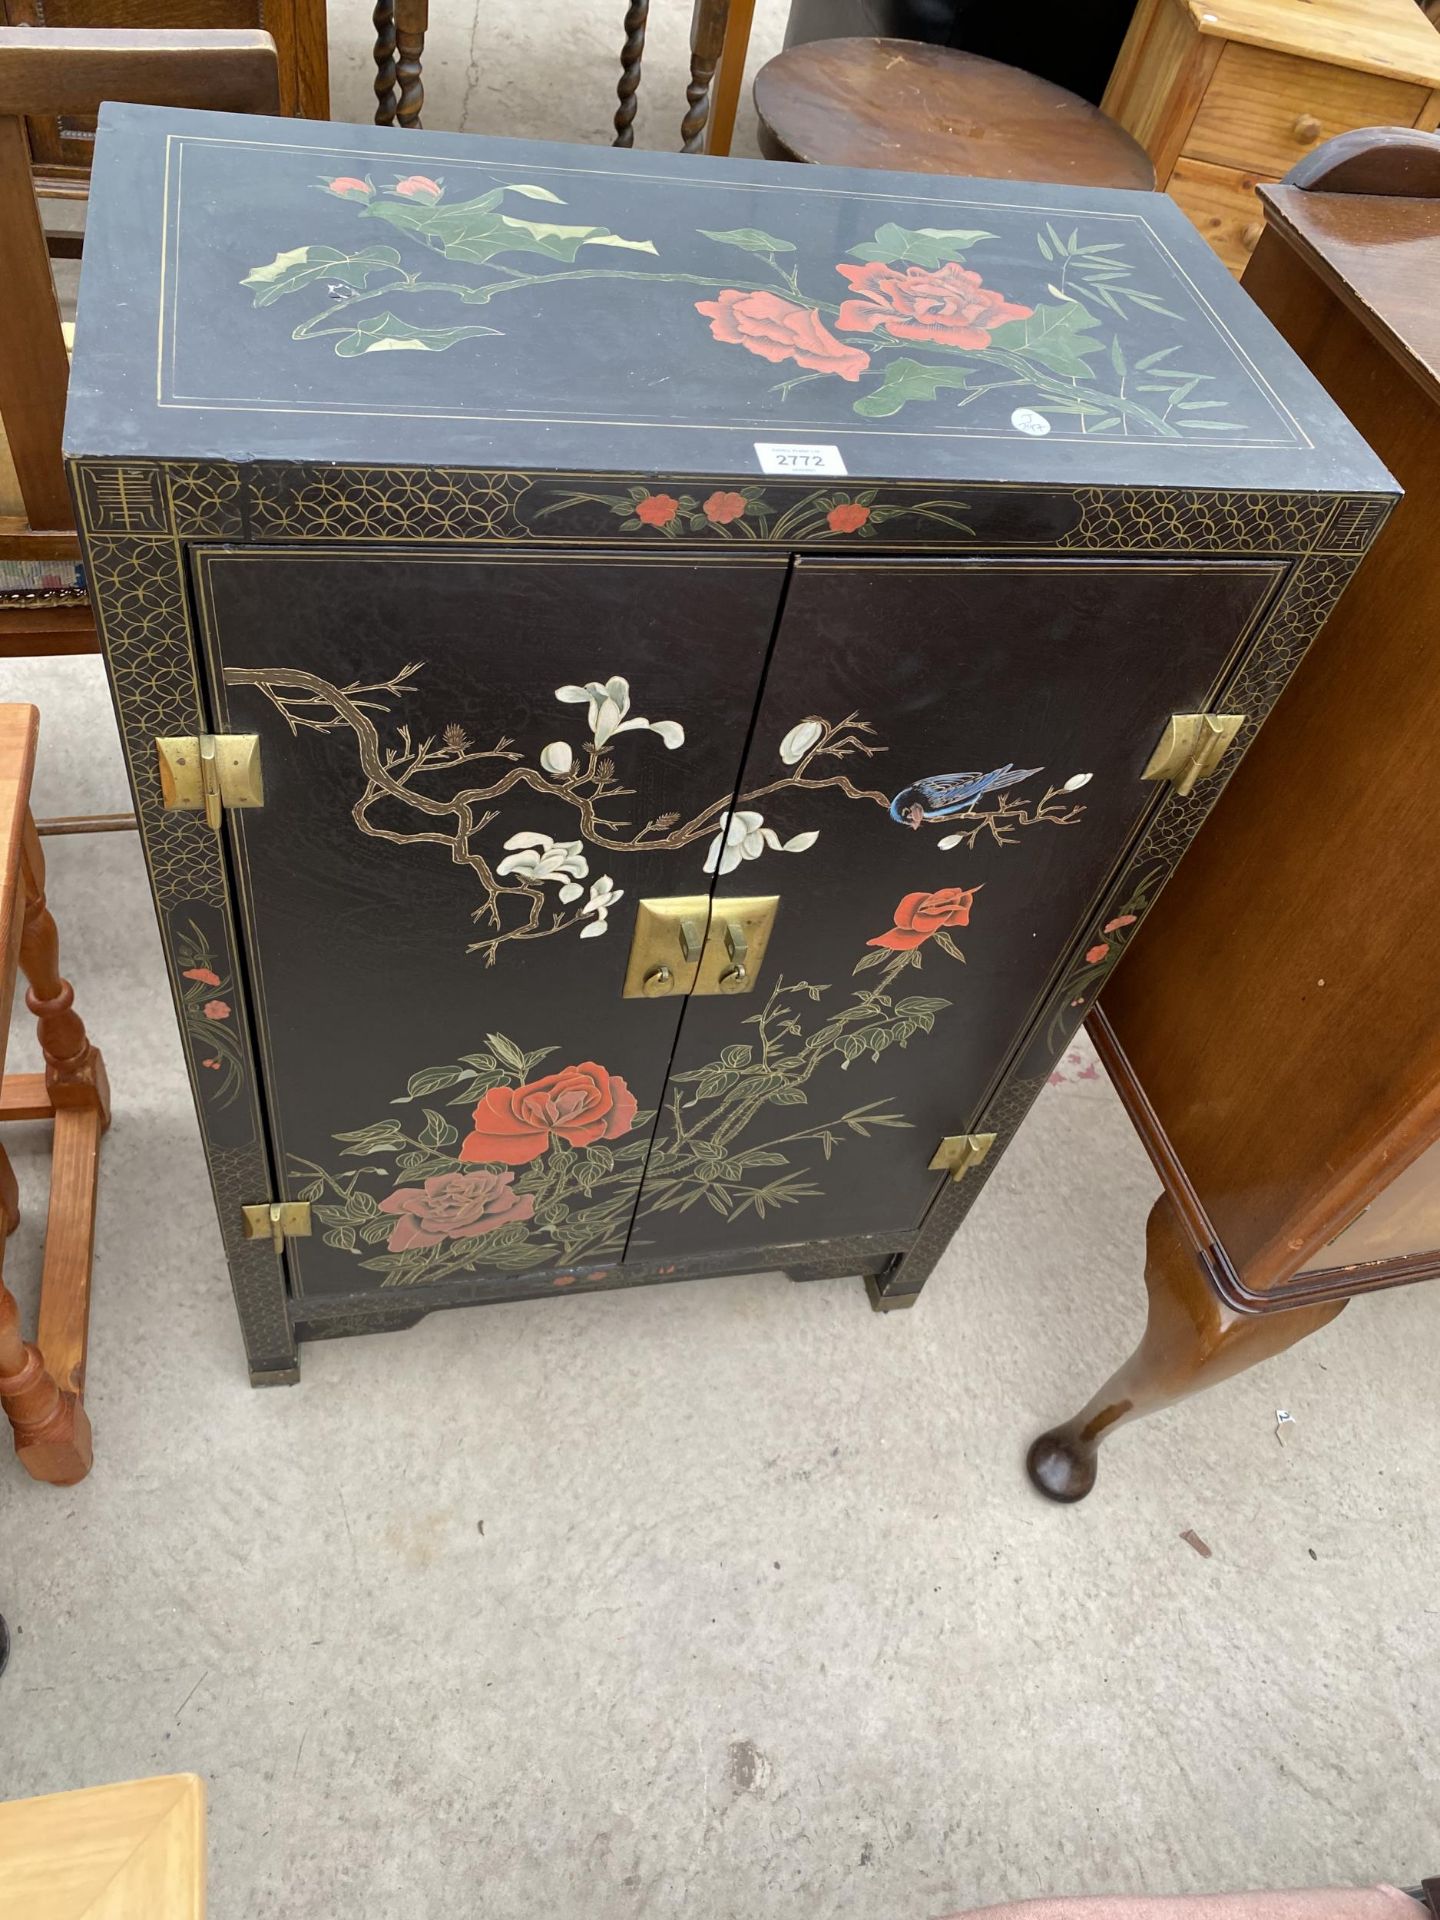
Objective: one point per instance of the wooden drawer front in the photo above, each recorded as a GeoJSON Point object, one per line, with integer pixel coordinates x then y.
{"type": "Point", "coordinates": [1221, 202]}
{"type": "Point", "coordinates": [1265, 110]}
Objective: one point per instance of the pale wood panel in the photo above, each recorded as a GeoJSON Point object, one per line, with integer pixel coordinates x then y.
{"type": "Point", "coordinates": [1428, 118]}
{"type": "Point", "coordinates": [1401, 1222]}
{"type": "Point", "coordinates": [1221, 203]}
{"type": "Point", "coordinates": [1263, 111]}
{"type": "Point", "coordinates": [1159, 80]}
{"type": "Point", "coordinates": [1374, 36]}
{"type": "Point", "coordinates": [135, 1851]}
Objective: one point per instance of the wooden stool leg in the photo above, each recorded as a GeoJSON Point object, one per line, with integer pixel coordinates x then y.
{"type": "Point", "coordinates": [52, 1432]}
{"type": "Point", "coordinates": [1192, 1341]}
{"type": "Point", "coordinates": [383, 20]}
{"type": "Point", "coordinates": [80, 1096]}
{"type": "Point", "coordinates": [631, 54]}
{"type": "Point", "coordinates": [74, 1071]}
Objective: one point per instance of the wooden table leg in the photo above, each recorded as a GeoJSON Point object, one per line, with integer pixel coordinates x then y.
{"type": "Point", "coordinates": [730, 75]}
{"type": "Point", "coordinates": [631, 55]}
{"type": "Point", "coordinates": [412, 20]}
{"type": "Point", "coordinates": [52, 1432]}
{"type": "Point", "coordinates": [1192, 1341]}
{"type": "Point", "coordinates": [77, 1089]}
{"type": "Point", "coordinates": [384, 23]}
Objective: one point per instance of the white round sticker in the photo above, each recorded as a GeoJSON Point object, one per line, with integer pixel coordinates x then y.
{"type": "Point", "coordinates": [1027, 420]}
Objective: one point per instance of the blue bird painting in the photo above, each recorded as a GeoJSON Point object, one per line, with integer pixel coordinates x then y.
{"type": "Point", "coordinates": [945, 794]}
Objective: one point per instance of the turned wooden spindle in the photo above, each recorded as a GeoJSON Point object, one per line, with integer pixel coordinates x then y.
{"type": "Point", "coordinates": [631, 55]}
{"type": "Point", "coordinates": [74, 1072]}
{"type": "Point", "coordinates": [707, 40]}
{"type": "Point", "coordinates": [383, 19]}
{"type": "Point", "coordinates": [52, 1432]}
{"type": "Point", "coordinates": [412, 19]}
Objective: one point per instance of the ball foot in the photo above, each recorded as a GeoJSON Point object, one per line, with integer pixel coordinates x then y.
{"type": "Point", "coordinates": [1060, 1468]}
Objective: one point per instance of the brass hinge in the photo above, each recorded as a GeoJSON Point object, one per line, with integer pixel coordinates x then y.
{"type": "Point", "coordinates": [958, 1152]}
{"type": "Point", "coordinates": [277, 1221]}
{"type": "Point", "coordinates": [1192, 747]}
{"type": "Point", "coordinates": [209, 772]}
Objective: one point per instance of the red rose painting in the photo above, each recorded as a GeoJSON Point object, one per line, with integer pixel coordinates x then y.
{"type": "Point", "coordinates": [721, 508]}
{"type": "Point", "coordinates": [216, 1010]}
{"type": "Point", "coordinates": [203, 975]}
{"type": "Point", "coordinates": [950, 305]}
{"type": "Point", "coordinates": [454, 1206]}
{"type": "Point", "coordinates": [921, 914]}
{"type": "Point", "coordinates": [347, 187]}
{"type": "Point", "coordinates": [779, 329]}
{"type": "Point", "coordinates": [847, 518]}
{"type": "Point", "coordinates": [578, 1105]}
{"type": "Point", "coordinates": [657, 509]}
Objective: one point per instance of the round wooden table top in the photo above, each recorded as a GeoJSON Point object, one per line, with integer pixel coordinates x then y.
{"type": "Point", "coordinates": [905, 105]}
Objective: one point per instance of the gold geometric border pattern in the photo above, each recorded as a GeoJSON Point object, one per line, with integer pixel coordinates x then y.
{"type": "Point", "coordinates": [143, 614]}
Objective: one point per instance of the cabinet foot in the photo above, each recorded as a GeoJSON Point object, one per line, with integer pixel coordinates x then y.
{"type": "Point", "coordinates": [276, 1376]}
{"type": "Point", "coordinates": [1191, 1341]}
{"type": "Point", "coordinates": [883, 1302]}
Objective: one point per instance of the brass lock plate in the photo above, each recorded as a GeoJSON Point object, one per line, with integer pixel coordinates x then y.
{"type": "Point", "coordinates": [691, 944]}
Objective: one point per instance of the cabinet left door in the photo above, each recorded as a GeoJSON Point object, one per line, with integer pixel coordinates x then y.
{"type": "Point", "coordinates": [473, 768]}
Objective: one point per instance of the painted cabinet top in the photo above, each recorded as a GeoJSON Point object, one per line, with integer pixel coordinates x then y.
{"type": "Point", "coordinates": [283, 290]}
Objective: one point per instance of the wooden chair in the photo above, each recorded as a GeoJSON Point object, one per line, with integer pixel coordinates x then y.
{"type": "Point", "coordinates": [42, 1385]}
{"type": "Point", "coordinates": [709, 38]}
{"type": "Point", "coordinates": [61, 145]}
{"type": "Point", "coordinates": [50, 73]}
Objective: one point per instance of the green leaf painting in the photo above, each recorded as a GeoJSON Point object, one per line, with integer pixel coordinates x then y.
{"type": "Point", "coordinates": [303, 266]}
{"type": "Point", "coordinates": [921, 246]}
{"type": "Point", "coordinates": [752, 239]}
{"type": "Point", "coordinates": [385, 333]}
{"type": "Point", "coordinates": [1059, 337]}
{"type": "Point", "coordinates": [907, 380]}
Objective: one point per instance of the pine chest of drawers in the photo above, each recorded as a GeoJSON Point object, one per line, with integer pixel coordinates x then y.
{"type": "Point", "coordinates": [657, 691]}
{"type": "Point", "coordinates": [1226, 95]}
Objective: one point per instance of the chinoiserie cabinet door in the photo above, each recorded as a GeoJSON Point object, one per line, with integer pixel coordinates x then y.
{"type": "Point", "coordinates": [473, 769]}
{"type": "Point", "coordinates": [946, 766]}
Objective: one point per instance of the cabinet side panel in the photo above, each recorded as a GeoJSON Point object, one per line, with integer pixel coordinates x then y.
{"type": "Point", "coordinates": [130, 517]}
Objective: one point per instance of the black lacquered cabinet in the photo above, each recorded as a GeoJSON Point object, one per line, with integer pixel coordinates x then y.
{"type": "Point", "coordinates": [657, 691]}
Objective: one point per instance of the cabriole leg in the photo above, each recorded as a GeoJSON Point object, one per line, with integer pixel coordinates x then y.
{"type": "Point", "coordinates": [1192, 1341]}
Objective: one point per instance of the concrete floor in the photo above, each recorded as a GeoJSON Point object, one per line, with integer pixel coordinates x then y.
{"type": "Point", "coordinates": [726, 1599]}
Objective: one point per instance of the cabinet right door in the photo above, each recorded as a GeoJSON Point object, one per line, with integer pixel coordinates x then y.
{"type": "Point", "coordinates": [945, 767]}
